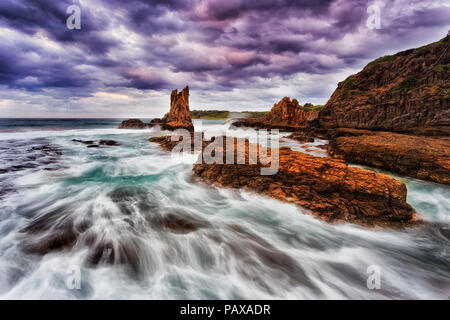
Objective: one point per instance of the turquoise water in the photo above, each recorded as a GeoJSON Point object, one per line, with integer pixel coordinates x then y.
{"type": "Point", "coordinates": [99, 209]}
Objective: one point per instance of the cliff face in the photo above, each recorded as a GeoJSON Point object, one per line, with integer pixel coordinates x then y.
{"type": "Point", "coordinates": [406, 92]}
{"type": "Point", "coordinates": [285, 115]}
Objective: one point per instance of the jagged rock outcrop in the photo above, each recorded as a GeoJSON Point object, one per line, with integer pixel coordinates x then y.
{"type": "Point", "coordinates": [286, 115]}
{"type": "Point", "coordinates": [179, 116]}
{"type": "Point", "coordinates": [331, 189]}
{"type": "Point", "coordinates": [328, 187]}
{"type": "Point", "coordinates": [132, 124]}
{"type": "Point", "coordinates": [167, 144]}
{"type": "Point", "coordinates": [407, 92]}
{"type": "Point", "coordinates": [425, 158]}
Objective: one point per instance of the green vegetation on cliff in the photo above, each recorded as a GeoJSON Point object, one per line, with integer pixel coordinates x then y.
{"type": "Point", "coordinates": [310, 107]}
{"type": "Point", "coordinates": [223, 114]}
{"type": "Point", "coordinates": [407, 84]}
{"type": "Point", "coordinates": [209, 114]}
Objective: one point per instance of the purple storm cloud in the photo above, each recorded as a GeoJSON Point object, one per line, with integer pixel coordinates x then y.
{"type": "Point", "coordinates": [234, 54]}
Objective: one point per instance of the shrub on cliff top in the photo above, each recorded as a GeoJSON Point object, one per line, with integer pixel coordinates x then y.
{"type": "Point", "coordinates": [309, 106]}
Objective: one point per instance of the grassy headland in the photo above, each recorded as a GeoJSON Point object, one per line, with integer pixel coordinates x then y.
{"type": "Point", "coordinates": [223, 114]}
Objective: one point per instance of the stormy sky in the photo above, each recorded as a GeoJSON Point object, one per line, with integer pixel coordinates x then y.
{"type": "Point", "coordinates": [234, 54]}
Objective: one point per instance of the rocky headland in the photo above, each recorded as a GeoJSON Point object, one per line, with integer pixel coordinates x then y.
{"type": "Point", "coordinates": [408, 92]}
{"type": "Point", "coordinates": [394, 115]}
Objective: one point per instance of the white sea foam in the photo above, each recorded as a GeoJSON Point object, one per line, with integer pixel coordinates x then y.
{"type": "Point", "coordinates": [246, 245]}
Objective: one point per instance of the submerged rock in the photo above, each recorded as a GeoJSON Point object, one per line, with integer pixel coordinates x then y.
{"type": "Point", "coordinates": [108, 143]}
{"type": "Point", "coordinates": [425, 158]}
{"type": "Point", "coordinates": [328, 187]}
{"type": "Point", "coordinates": [177, 224]}
{"type": "Point", "coordinates": [132, 124]}
{"type": "Point", "coordinates": [94, 144]}
{"type": "Point", "coordinates": [83, 141]}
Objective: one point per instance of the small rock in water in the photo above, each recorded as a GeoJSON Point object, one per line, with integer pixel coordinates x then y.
{"type": "Point", "coordinates": [93, 144]}
{"type": "Point", "coordinates": [109, 143]}
{"type": "Point", "coordinates": [83, 141]}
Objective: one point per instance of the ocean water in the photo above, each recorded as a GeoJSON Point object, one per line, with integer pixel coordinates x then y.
{"type": "Point", "coordinates": [102, 211]}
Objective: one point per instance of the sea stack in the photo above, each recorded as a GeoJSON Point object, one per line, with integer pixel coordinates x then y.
{"type": "Point", "coordinates": [179, 116]}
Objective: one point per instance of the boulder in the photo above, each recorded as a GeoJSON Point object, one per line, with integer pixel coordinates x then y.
{"type": "Point", "coordinates": [132, 124]}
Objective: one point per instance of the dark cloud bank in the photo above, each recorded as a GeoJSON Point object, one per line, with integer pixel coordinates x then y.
{"type": "Point", "coordinates": [215, 46]}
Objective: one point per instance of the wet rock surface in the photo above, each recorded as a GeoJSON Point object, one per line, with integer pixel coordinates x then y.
{"type": "Point", "coordinates": [426, 158]}
{"type": "Point", "coordinates": [34, 154]}
{"type": "Point", "coordinates": [328, 187]}
{"type": "Point", "coordinates": [177, 224]}
{"type": "Point", "coordinates": [97, 144]}
{"type": "Point", "coordinates": [167, 143]}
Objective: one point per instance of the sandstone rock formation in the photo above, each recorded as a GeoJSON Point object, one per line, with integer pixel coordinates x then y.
{"type": "Point", "coordinates": [132, 124]}
{"type": "Point", "coordinates": [406, 92]}
{"type": "Point", "coordinates": [285, 115]}
{"type": "Point", "coordinates": [179, 116]}
{"type": "Point", "coordinates": [406, 96]}
{"type": "Point", "coordinates": [425, 158]}
{"type": "Point", "coordinates": [327, 187]}
{"type": "Point", "coordinates": [167, 144]}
